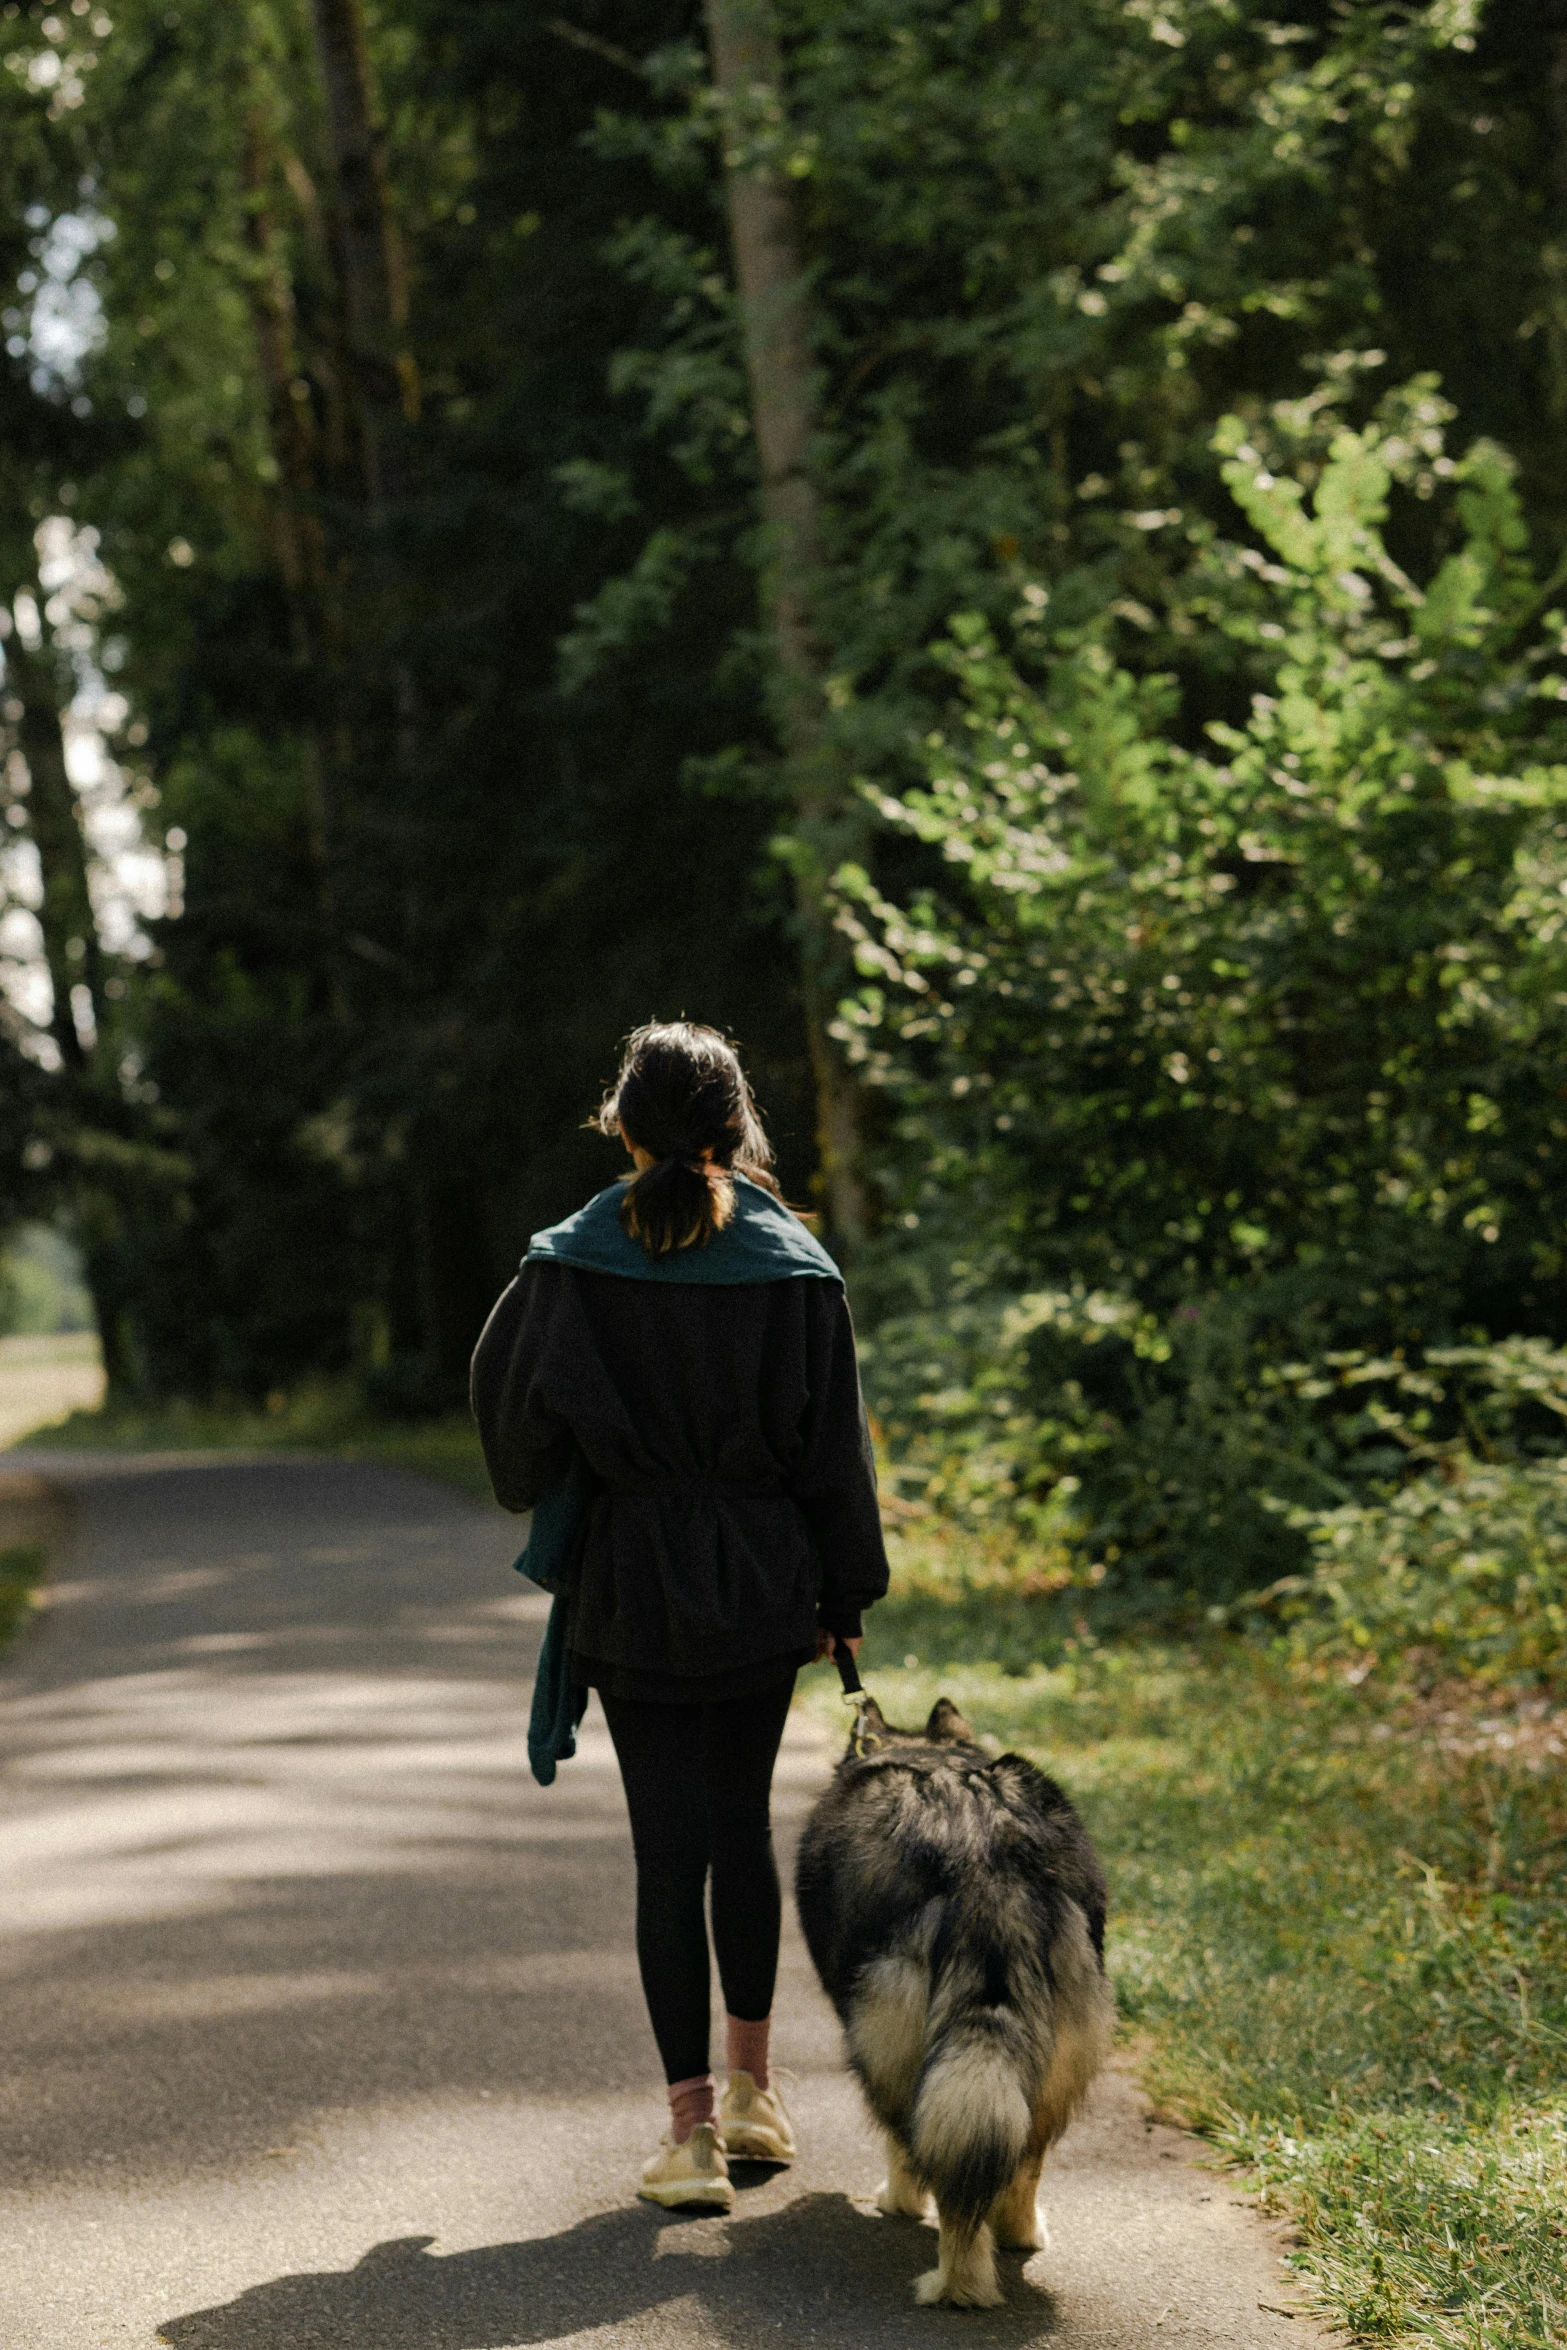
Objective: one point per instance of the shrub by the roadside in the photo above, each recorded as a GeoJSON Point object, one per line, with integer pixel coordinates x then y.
{"type": "Point", "coordinates": [1461, 1567]}
{"type": "Point", "coordinates": [21, 1572]}
{"type": "Point", "coordinates": [1142, 1451]}
{"type": "Point", "coordinates": [1397, 1512]}
{"type": "Point", "coordinates": [1219, 1013]}
{"type": "Point", "coordinates": [1463, 1571]}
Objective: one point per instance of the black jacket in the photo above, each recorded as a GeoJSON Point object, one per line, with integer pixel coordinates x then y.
{"type": "Point", "coordinates": [724, 1428]}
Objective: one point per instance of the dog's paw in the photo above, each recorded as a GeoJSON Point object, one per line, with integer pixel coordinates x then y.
{"type": "Point", "coordinates": [1021, 2231]}
{"type": "Point", "coordinates": [902, 2202]}
{"type": "Point", "coordinates": [959, 2293]}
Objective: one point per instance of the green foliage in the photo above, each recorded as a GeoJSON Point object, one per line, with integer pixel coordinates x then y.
{"type": "Point", "coordinates": [1461, 1567]}
{"type": "Point", "coordinates": [1048, 247]}
{"type": "Point", "coordinates": [1239, 1038]}
{"type": "Point", "coordinates": [423, 892]}
{"type": "Point", "coordinates": [1466, 1571]}
{"type": "Point", "coordinates": [21, 1571]}
{"type": "Point", "coordinates": [40, 1285]}
{"type": "Point", "coordinates": [1147, 1451]}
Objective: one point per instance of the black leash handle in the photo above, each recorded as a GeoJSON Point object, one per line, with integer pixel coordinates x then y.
{"type": "Point", "coordinates": [848, 1670]}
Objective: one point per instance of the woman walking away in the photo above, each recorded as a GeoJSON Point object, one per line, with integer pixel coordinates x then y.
{"type": "Point", "coordinates": [687, 1338]}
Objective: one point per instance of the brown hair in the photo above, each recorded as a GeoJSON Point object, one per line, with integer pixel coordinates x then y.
{"type": "Point", "coordinates": [682, 1096]}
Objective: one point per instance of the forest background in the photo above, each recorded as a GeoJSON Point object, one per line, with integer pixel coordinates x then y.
{"type": "Point", "coordinates": [1008, 554]}
{"type": "Point", "coordinates": [1013, 554]}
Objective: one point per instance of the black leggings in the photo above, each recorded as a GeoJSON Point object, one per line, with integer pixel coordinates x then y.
{"type": "Point", "coordinates": [698, 1781]}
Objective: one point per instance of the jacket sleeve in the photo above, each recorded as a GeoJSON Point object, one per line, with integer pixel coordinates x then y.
{"type": "Point", "coordinates": [527, 1444]}
{"type": "Point", "coordinates": [835, 1483]}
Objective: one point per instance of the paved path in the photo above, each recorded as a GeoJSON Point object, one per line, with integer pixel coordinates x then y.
{"type": "Point", "coordinates": [320, 2024]}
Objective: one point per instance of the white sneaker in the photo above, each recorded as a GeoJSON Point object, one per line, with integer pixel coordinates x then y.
{"type": "Point", "coordinates": [753, 2123]}
{"type": "Point", "coordinates": [692, 2173]}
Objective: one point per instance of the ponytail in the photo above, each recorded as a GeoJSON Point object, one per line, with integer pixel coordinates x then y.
{"type": "Point", "coordinates": [678, 1203]}
{"type": "Point", "coordinates": [682, 1096]}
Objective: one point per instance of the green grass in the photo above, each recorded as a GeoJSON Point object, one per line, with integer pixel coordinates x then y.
{"type": "Point", "coordinates": [22, 1568]}
{"type": "Point", "coordinates": [1337, 1931]}
{"type": "Point", "coordinates": [328, 1419]}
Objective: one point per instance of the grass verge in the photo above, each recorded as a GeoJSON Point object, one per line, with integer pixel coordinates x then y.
{"type": "Point", "coordinates": [22, 1568]}
{"type": "Point", "coordinates": [325, 1419]}
{"type": "Point", "coordinates": [1338, 1924]}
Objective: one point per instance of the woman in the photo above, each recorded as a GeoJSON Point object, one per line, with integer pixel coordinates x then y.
{"type": "Point", "coordinates": [686, 1336]}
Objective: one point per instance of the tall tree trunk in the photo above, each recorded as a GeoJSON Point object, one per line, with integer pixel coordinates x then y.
{"type": "Point", "coordinates": [373, 280]}
{"type": "Point", "coordinates": [456, 1277]}
{"type": "Point", "coordinates": [1553, 17]}
{"type": "Point", "coordinates": [299, 542]}
{"type": "Point", "coordinates": [70, 934]}
{"type": "Point", "coordinates": [370, 258]}
{"type": "Point", "coordinates": [41, 685]}
{"type": "Point", "coordinates": [769, 274]}
{"type": "Point", "coordinates": [384, 385]}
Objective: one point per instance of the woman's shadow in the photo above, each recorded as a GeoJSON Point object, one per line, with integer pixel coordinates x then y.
{"type": "Point", "coordinates": [820, 2264]}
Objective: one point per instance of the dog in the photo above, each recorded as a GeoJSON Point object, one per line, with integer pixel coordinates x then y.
{"type": "Point", "coordinates": [955, 1909]}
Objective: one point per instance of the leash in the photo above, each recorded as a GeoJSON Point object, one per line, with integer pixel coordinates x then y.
{"type": "Point", "coordinates": [848, 1672]}
{"type": "Point", "coordinates": [856, 1694]}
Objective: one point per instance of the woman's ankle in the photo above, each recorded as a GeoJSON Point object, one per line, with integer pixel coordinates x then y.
{"type": "Point", "coordinates": [690, 2102]}
{"type": "Point", "coordinates": [748, 2046]}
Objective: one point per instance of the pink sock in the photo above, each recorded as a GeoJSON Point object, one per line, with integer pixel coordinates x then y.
{"type": "Point", "coordinates": [748, 2045]}
{"type": "Point", "coordinates": [691, 2102]}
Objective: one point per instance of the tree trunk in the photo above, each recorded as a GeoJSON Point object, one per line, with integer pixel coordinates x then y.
{"type": "Point", "coordinates": [39, 684]}
{"type": "Point", "coordinates": [70, 934]}
{"type": "Point", "coordinates": [375, 294]}
{"type": "Point", "coordinates": [384, 386]}
{"type": "Point", "coordinates": [385, 378]}
{"type": "Point", "coordinates": [455, 1273]}
{"type": "Point", "coordinates": [299, 542]}
{"type": "Point", "coordinates": [769, 275]}
{"type": "Point", "coordinates": [108, 1268]}
{"type": "Point", "coordinates": [1554, 255]}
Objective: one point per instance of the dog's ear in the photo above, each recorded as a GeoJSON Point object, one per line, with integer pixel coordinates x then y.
{"type": "Point", "coordinates": [870, 1728]}
{"type": "Point", "coordinates": [946, 1726]}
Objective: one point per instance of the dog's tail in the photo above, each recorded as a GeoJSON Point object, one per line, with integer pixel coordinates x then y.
{"type": "Point", "coordinates": [986, 2053]}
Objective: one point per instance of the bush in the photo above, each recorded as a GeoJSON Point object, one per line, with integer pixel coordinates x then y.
{"type": "Point", "coordinates": [21, 1571]}
{"type": "Point", "coordinates": [1143, 1450]}
{"type": "Point", "coordinates": [1461, 1572]}
{"type": "Point", "coordinates": [1462, 1568]}
{"type": "Point", "coordinates": [1220, 1045]}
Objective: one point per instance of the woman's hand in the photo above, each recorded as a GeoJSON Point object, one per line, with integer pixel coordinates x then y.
{"type": "Point", "coordinates": [827, 1644]}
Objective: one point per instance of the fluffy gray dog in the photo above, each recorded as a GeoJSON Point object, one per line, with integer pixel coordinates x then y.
{"type": "Point", "coordinates": [955, 1910]}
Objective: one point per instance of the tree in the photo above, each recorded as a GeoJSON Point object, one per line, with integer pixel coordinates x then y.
{"type": "Point", "coordinates": [771, 283]}
{"type": "Point", "coordinates": [369, 252]}
{"type": "Point", "coordinates": [477, 761]}
{"type": "Point", "coordinates": [379, 1086]}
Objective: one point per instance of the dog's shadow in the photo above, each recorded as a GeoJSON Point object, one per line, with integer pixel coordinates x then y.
{"type": "Point", "coordinates": [821, 2269]}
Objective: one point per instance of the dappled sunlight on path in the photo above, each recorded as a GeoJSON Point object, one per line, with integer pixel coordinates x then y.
{"type": "Point", "coordinates": [323, 2022]}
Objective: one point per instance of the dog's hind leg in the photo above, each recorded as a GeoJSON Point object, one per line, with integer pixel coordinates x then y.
{"type": "Point", "coordinates": [900, 2193]}
{"type": "Point", "coordinates": [1014, 2216]}
{"type": "Point", "coordinates": [965, 2270]}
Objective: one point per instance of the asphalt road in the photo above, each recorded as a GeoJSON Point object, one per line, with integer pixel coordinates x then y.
{"type": "Point", "coordinates": [321, 2027]}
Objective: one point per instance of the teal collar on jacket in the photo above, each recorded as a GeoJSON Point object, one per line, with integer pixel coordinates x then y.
{"type": "Point", "coordinates": [763, 1241]}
